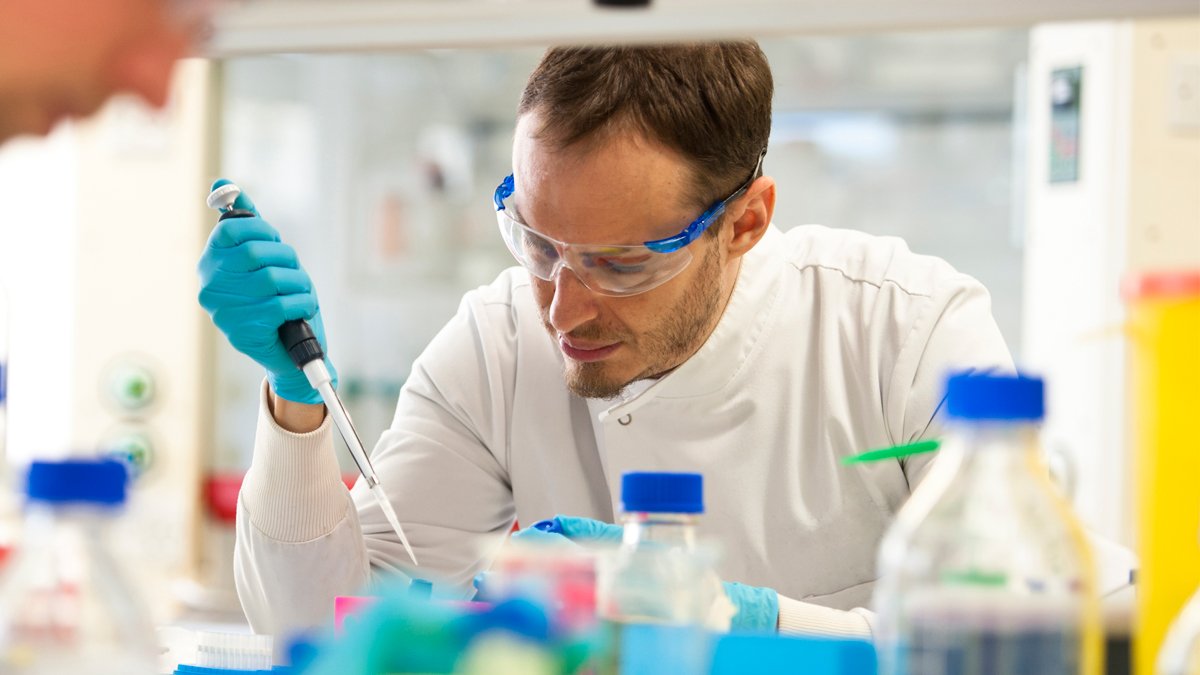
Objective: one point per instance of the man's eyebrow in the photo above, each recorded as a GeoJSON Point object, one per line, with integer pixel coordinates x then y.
{"type": "Point", "coordinates": [657, 228]}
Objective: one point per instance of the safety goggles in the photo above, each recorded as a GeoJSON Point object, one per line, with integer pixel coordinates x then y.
{"type": "Point", "coordinates": [615, 270]}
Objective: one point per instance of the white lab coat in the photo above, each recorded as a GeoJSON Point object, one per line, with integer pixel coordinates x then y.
{"type": "Point", "coordinates": [833, 342]}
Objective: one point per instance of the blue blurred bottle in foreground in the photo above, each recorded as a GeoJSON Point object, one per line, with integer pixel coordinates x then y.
{"type": "Point", "coordinates": [986, 569]}
{"type": "Point", "coordinates": [65, 607]}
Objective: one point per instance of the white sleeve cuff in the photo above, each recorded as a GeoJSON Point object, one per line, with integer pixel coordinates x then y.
{"type": "Point", "coordinates": [293, 490]}
{"type": "Point", "coordinates": [804, 618]}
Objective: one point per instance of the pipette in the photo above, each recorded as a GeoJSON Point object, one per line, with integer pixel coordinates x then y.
{"type": "Point", "coordinates": [305, 351]}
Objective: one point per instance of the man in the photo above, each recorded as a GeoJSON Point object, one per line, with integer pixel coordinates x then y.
{"type": "Point", "coordinates": [64, 58]}
{"type": "Point", "coordinates": [661, 323]}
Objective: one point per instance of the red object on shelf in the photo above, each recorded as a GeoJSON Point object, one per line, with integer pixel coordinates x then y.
{"type": "Point", "coordinates": [221, 494]}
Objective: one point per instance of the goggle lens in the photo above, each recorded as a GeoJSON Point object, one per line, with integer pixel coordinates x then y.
{"type": "Point", "coordinates": [608, 270]}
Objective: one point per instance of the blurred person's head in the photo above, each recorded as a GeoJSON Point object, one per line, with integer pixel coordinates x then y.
{"type": "Point", "coordinates": [65, 58]}
{"type": "Point", "coordinates": [624, 145]}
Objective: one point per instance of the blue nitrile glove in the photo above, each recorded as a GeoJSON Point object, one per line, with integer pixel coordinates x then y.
{"type": "Point", "coordinates": [757, 608]}
{"type": "Point", "coordinates": [250, 284]}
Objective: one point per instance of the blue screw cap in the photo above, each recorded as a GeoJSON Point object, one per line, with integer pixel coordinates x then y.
{"type": "Point", "coordinates": [974, 396]}
{"type": "Point", "coordinates": [662, 492]}
{"type": "Point", "coordinates": [83, 481]}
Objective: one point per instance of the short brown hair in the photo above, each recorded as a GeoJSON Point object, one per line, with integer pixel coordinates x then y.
{"type": "Point", "coordinates": [711, 102]}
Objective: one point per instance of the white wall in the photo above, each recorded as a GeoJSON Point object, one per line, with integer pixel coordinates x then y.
{"type": "Point", "coordinates": [1164, 156]}
{"type": "Point", "coordinates": [38, 271]}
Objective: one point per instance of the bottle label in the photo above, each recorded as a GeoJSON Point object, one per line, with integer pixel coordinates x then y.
{"type": "Point", "coordinates": [945, 649]}
{"type": "Point", "coordinates": [992, 634]}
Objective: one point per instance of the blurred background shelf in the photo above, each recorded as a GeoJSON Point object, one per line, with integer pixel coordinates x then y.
{"type": "Point", "coordinates": [275, 26]}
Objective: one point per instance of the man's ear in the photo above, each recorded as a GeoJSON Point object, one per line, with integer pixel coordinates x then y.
{"type": "Point", "coordinates": [758, 206]}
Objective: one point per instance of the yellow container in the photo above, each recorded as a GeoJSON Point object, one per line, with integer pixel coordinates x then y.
{"type": "Point", "coordinates": [1164, 323]}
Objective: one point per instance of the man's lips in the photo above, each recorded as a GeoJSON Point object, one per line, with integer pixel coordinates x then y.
{"type": "Point", "coordinates": [579, 350]}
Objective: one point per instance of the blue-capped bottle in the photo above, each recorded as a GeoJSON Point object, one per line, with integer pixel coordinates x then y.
{"type": "Point", "coordinates": [65, 606]}
{"type": "Point", "coordinates": [657, 592]}
{"type": "Point", "coordinates": [986, 569]}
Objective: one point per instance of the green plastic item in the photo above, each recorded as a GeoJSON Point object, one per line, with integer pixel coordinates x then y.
{"type": "Point", "coordinates": [893, 452]}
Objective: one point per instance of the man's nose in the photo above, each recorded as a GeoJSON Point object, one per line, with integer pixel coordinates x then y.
{"type": "Point", "coordinates": [573, 304]}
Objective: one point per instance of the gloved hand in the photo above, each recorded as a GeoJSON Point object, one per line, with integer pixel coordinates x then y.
{"type": "Point", "coordinates": [757, 608]}
{"type": "Point", "coordinates": [250, 284]}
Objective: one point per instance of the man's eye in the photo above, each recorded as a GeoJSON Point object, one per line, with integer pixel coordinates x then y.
{"type": "Point", "coordinates": [539, 247]}
{"type": "Point", "coordinates": [634, 264]}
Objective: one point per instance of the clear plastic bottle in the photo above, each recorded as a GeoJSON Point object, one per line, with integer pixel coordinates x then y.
{"type": "Point", "coordinates": [659, 576]}
{"type": "Point", "coordinates": [986, 569]}
{"type": "Point", "coordinates": [64, 605]}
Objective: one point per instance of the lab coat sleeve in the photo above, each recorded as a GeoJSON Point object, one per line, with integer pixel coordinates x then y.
{"type": "Point", "coordinates": [952, 330]}
{"type": "Point", "coordinates": [803, 618]}
{"type": "Point", "coordinates": [947, 330]}
{"type": "Point", "coordinates": [444, 460]}
{"type": "Point", "coordinates": [298, 541]}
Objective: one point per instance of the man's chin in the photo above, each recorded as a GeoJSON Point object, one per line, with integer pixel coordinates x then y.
{"type": "Point", "coordinates": [589, 380]}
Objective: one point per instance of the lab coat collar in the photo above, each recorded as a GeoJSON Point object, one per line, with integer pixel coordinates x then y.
{"type": "Point", "coordinates": [748, 315]}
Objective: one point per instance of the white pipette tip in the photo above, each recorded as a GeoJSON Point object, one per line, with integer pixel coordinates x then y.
{"type": "Point", "coordinates": [222, 198]}
{"type": "Point", "coordinates": [320, 379]}
{"type": "Point", "coordinates": [390, 513]}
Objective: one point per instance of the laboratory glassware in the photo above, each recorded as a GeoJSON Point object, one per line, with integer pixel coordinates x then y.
{"type": "Point", "coordinates": [65, 606]}
{"type": "Point", "coordinates": [1163, 331]}
{"type": "Point", "coordinates": [659, 575]}
{"type": "Point", "coordinates": [986, 569]}
{"type": "Point", "coordinates": [306, 352]}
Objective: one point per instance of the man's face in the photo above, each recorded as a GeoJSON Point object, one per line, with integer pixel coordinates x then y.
{"type": "Point", "coordinates": [64, 58]}
{"type": "Point", "coordinates": [625, 190]}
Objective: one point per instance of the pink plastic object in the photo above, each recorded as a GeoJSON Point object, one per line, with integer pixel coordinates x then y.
{"type": "Point", "coordinates": [349, 605]}
{"type": "Point", "coordinates": [346, 605]}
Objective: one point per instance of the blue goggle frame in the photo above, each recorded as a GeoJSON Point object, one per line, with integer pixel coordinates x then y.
{"type": "Point", "coordinates": [667, 244]}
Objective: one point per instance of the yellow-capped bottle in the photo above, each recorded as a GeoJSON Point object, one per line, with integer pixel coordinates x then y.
{"type": "Point", "coordinates": [1164, 333]}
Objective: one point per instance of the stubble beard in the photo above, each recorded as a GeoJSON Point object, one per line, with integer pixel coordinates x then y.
{"type": "Point", "coordinates": [682, 331]}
